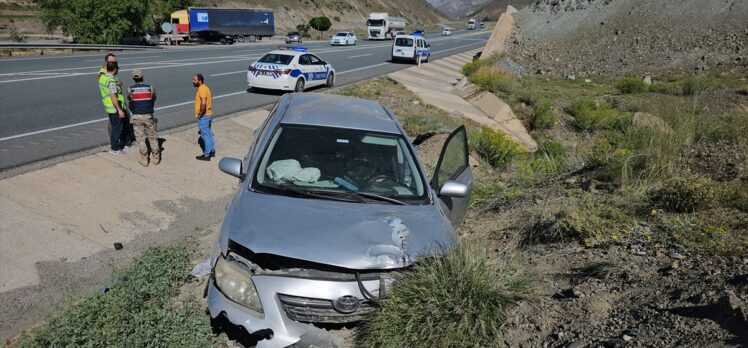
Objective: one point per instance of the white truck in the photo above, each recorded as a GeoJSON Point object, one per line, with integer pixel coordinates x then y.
{"type": "Point", "coordinates": [471, 24]}
{"type": "Point", "coordinates": [381, 26]}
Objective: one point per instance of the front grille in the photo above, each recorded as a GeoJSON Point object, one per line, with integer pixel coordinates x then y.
{"type": "Point", "coordinates": [312, 310]}
{"type": "Point", "coordinates": [374, 33]}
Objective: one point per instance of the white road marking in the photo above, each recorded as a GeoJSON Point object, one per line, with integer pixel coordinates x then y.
{"type": "Point", "coordinates": [362, 68]}
{"type": "Point", "coordinates": [228, 73]}
{"type": "Point", "coordinates": [361, 55]}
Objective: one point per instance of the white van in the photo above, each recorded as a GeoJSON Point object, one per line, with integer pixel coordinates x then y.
{"type": "Point", "coordinates": [447, 31]}
{"type": "Point", "coordinates": [412, 48]}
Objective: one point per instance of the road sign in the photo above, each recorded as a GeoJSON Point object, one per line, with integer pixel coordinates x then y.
{"type": "Point", "coordinates": [167, 27]}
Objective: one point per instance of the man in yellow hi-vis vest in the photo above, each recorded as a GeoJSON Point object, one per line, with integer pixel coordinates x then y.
{"type": "Point", "coordinates": [114, 104]}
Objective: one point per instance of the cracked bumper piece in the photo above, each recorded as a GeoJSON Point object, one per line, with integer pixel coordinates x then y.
{"type": "Point", "coordinates": [290, 304]}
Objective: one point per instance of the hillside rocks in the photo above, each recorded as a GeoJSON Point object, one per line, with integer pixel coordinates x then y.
{"type": "Point", "coordinates": [633, 38]}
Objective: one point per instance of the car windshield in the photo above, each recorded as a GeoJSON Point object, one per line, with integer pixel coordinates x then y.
{"type": "Point", "coordinates": [341, 34]}
{"type": "Point", "coordinates": [375, 22]}
{"type": "Point", "coordinates": [293, 34]}
{"type": "Point", "coordinates": [326, 161]}
{"type": "Point", "coordinates": [274, 58]}
{"type": "Point", "coordinates": [404, 41]}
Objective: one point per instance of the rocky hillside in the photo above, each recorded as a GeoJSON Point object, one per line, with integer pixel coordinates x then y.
{"type": "Point", "coordinates": [633, 37]}
{"type": "Point", "coordinates": [479, 9]}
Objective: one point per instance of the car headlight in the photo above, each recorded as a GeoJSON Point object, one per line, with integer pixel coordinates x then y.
{"type": "Point", "coordinates": [236, 284]}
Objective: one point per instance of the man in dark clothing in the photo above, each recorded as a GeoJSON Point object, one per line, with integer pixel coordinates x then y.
{"type": "Point", "coordinates": [142, 100]}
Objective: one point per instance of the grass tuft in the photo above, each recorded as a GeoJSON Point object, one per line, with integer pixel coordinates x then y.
{"type": "Point", "coordinates": [629, 85]}
{"type": "Point", "coordinates": [471, 67]}
{"type": "Point", "coordinates": [687, 194]}
{"type": "Point", "coordinates": [458, 300]}
{"type": "Point", "coordinates": [543, 117]}
{"type": "Point", "coordinates": [494, 80]}
{"type": "Point", "coordinates": [590, 115]}
{"type": "Point", "coordinates": [494, 147]}
{"type": "Point", "coordinates": [136, 311]}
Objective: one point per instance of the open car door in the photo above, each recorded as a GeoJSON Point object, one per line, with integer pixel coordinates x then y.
{"type": "Point", "coordinates": [453, 178]}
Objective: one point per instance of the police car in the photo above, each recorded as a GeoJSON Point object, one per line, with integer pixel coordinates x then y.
{"type": "Point", "coordinates": [290, 69]}
{"type": "Point", "coordinates": [412, 48]}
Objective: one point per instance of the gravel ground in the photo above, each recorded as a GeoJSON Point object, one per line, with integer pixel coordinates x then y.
{"type": "Point", "coordinates": [613, 38]}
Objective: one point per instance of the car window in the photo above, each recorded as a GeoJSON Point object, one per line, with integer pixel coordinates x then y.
{"type": "Point", "coordinates": [454, 158]}
{"type": "Point", "coordinates": [304, 60]}
{"type": "Point", "coordinates": [274, 58]}
{"type": "Point", "coordinates": [314, 59]}
{"type": "Point", "coordinates": [344, 160]}
{"type": "Point", "coordinates": [404, 42]}
{"type": "Point", "coordinates": [341, 34]}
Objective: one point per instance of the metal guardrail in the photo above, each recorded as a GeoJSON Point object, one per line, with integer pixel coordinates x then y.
{"type": "Point", "coordinates": [76, 46]}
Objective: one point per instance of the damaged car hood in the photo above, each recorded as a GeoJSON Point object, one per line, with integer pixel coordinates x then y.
{"type": "Point", "coordinates": [349, 235]}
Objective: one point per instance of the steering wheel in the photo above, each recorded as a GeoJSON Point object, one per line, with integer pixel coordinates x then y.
{"type": "Point", "coordinates": [374, 184]}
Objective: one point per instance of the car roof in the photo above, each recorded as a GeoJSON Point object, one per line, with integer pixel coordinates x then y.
{"type": "Point", "coordinates": [338, 111]}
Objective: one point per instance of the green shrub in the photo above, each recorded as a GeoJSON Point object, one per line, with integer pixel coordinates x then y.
{"type": "Point", "coordinates": [471, 67]}
{"type": "Point", "coordinates": [549, 160]}
{"type": "Point", "coordinates": [543, 117]}
{"type": "Point", "coordinates": [135, 312]}
{"type": "Point", "coordinates": [590, 115]}
{"type": "Point", "coordinates": [493, 80]}
{"type": "Point", "coordinates": [665, 88]}
{"type": "Point", "coordinates": [628, 85]}
{"type": "Point", "coordinates": [458, 300]}
{"type": "Point", "coordinates": [694, 85]}
{"type": "Point", "coordinates": [494, 147]}
{"type": "Point", "coordinates": [687, 194]}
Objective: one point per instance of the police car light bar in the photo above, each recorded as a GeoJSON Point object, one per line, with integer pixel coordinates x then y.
{"type": "Point", "coordinates": [294, 48]}
{"type": "Point", "coordinates": [417, 33]}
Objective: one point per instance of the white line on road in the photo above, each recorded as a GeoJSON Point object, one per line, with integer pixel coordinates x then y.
{"type": "Point", "coordinates": [105, 119]}
{"type": "Point", "coordinates": [361, 55]}
{"type": "Point", "coordinates": [143, 57]}
{"type": "Point", "coordinates": [228, 73]}
{"type": "Point", "coordinates": [362, 68]}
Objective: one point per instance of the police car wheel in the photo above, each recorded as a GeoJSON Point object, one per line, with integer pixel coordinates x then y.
{"type": "Point", "coordinates": [330, 80]}
{"type": "Point", "coordinates": [299, 86]}
{"type": "Point", "coordinates": [427, 58]}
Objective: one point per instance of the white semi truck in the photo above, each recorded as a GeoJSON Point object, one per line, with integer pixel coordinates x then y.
{"type": "Point", "coordinates": [471, 24]}
{"type": "Point", "coordinates": [381, 26]}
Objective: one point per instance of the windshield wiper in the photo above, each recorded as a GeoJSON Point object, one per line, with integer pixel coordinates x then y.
{"type": "Point", "coordinates": [379, 198]}
{"type": "Point", "coordinates": [311, 194]}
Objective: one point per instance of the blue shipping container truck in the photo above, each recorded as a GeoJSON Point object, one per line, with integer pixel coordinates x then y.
{"type": "Point", "coordinates": [246, 24]}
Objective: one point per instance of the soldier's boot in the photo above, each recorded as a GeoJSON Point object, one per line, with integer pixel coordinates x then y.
{"type": "Point", "coordinates": [156, 159]}
{"type": "Point", "coordinates": [143, 160]}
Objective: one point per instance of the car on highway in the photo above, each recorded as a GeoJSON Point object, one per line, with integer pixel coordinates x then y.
{"type": "Point", "coordinates": [293, 36]}
{"type": "Point", "coordinates": [413, 48]}
{"type": "Point", "coordinates": [398, 33]}
{"type": "Point", "coordinates": [211, 36]}
{"type": "Point", "coordinates": [482, 25]}
{"type": "Point", "coordinates": [447, 31]}
{"type": "Point", "coordinates": [147, 38]}
{"type": "Point", "coordinates": [333, 206]}
{"type": "Point", "coordinates": [290, 68]}
{"type": "Point", "coordinates": [343, 38]}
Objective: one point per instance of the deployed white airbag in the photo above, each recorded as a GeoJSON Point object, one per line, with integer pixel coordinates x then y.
{"type": "Point", "coordinates": [291, 170]}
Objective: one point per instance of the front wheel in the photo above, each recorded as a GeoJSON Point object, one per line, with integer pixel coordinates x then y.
{"type": "Point", "coordinates": [299, 86]}
{"type": "Point", "coordinates": [427, 58]}
{"type": "Point", "coordinates": [330, 79]}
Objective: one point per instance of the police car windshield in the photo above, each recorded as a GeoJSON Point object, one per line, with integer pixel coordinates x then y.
{"type": "Point", "coordinates": [335, 160]}
{"type": "Point", "coordinates": [341, 34]}
{"type": "Point", "coordinates": [275, 58]}
{"type": "Point", "coordinates": [404, 41]}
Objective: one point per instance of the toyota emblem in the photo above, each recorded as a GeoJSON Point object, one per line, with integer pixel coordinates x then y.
{"type": "Point", "coordinates": [346, 304]}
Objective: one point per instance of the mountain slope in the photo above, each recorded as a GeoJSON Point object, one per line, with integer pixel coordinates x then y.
{"type": "Point", "coordinates": [475, 8]}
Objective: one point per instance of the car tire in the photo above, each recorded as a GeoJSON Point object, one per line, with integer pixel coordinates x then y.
{"type": "Point", "coordinates": [240, 38]}
{"type": "Point", "coordinates": [330, 80]}
{"type": "Point", "coordinates": [252, 38]}
{"type": "Point", "coordinates": [223, 41]}
{"type": "Point", "coordinates": [300, 41]}
{"type": "Point", "coordinates": [299, 86]}
{"type": "Point", "coordinates": [428, 57]}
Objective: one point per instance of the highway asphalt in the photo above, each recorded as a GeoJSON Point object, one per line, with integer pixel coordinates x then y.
{"type": "Point", "coordinates": [51, 105]}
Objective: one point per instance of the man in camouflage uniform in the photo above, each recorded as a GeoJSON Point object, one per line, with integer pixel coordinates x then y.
{"type": "Point", "coordinates": [142, 100]}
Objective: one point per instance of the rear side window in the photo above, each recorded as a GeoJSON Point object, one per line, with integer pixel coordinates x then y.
{"type": "Point", "coordinates": [273, 58]}
{"type": "Point", "coordinates": [404, 42]}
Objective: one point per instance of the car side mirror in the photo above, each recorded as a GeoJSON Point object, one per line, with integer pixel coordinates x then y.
{"type": "Point", "coordinates": [231, 166]}
{"type": "Point", "coordinates": [454, 189]}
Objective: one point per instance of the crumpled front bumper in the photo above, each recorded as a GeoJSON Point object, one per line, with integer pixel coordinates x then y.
{"type": "Point", "coordinates": [285, 331]}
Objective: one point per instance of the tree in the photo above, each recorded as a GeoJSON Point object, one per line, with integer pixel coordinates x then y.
{"type": "Point", "coordinates": [303, 30]}
{"type": "Point", "coordinates": [321, 24]}
{"type": "Point", "coordinates": [97, 22]}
